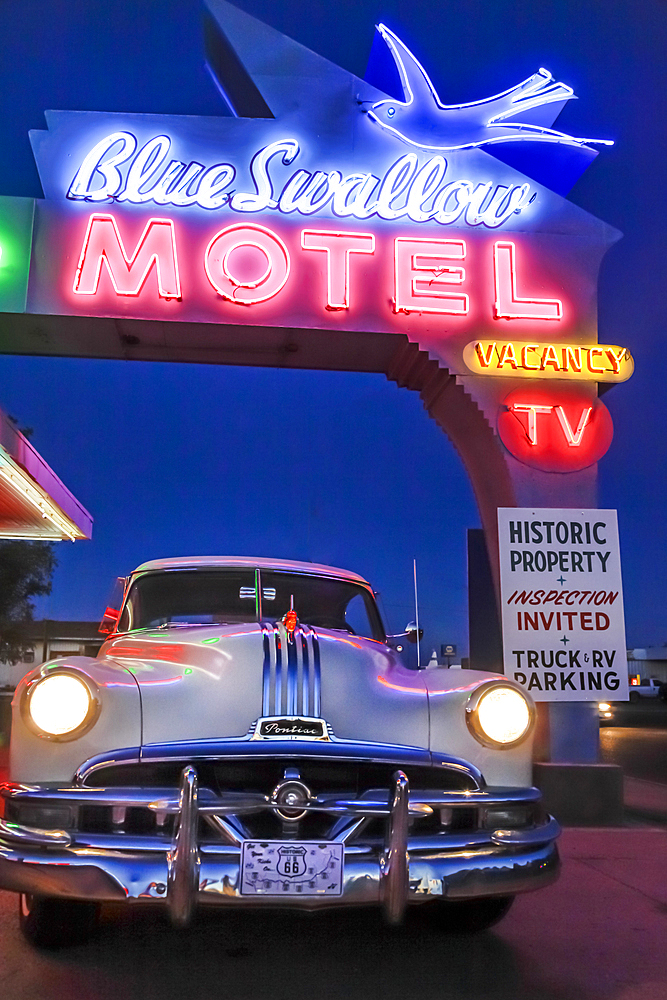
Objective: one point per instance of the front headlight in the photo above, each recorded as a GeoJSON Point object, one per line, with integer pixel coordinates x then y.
{"type": "Point", "coordinates": [60, 706]}
{"type": "Point", "coordinates": [500, 716]}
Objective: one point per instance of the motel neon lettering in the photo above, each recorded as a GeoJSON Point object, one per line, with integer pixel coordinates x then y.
{"type": "Point", "coordinates": [103, 246]}
{"type": "Point", "coordinates": [338, 247]}
{"type": "Point", "coordinates": [427, 273]}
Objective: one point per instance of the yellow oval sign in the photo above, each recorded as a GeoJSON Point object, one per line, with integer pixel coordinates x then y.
{"type": "Point", "coordinates": [578, 362]}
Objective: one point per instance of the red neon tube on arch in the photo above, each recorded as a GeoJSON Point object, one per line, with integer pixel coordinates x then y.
{"type": "Point", "coordinates": [103, 245]}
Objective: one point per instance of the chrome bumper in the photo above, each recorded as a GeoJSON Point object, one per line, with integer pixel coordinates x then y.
{"type": "Point", "coordinates": [185, 873]}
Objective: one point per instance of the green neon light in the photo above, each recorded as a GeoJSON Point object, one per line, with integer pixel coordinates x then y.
{"type": "Point", "coordinates": [188, 670]}
{"type": "Point", "coordinates": [16, 219]}
{"type": "Point", "coordinates": [214, 639]}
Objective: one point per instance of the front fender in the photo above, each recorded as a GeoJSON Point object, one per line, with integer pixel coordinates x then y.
{"type": "Point", "coordinates": [448, 695]}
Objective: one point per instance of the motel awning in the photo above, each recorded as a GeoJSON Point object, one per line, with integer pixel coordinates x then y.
{"type": "Point", "coordinates": [34, 503]}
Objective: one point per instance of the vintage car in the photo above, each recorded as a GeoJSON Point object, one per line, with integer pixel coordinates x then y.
{"type": "Point", "coordinates": [248, 735]}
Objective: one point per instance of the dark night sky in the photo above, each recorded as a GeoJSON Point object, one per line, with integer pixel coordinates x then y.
{"type": "Point", "coordinates": [338, 468]}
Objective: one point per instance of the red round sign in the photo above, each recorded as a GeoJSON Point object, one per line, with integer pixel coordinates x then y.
{"type": "Point", "coordinates": [562, 429]}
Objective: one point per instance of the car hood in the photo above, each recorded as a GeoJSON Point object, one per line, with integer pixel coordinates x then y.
{"type": "Point", "coordinates": [213, 682]}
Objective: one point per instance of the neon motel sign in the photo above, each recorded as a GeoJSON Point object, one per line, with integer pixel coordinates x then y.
{"type": "Point", "coordinates": [386, 211]}
{"type": "Point", "coordinates": [247, 264]}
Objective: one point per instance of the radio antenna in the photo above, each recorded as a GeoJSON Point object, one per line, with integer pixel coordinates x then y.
{"type": "Point", "coordinates": [414, 568]}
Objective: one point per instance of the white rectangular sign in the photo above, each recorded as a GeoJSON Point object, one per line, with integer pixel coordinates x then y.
{"type": "Point", "coordinates": [562, 603]}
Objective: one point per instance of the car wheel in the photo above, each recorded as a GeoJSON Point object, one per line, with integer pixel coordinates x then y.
{"type": "Point", "coordinates": [634, 697]}
{"type": "Point", "coordinates": [56, 923]}
{"type": "Point", "coordinates": [468, 916]}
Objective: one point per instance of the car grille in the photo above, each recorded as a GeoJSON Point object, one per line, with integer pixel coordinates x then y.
{"type": "Point", "coordinates": [263, 774]}
{"type": "Point", "coordinates": [346, 778]}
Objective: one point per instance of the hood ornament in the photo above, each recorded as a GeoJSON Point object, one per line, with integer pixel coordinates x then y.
{"type": "Point", "coordinates": [290, 620]}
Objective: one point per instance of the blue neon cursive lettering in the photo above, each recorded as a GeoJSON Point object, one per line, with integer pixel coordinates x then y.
{"type": "Point", "coordinates": [409, 188]}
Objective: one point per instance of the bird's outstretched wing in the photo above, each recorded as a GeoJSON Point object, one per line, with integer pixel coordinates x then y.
{"type": "Point", "coordinates": [421, 119]}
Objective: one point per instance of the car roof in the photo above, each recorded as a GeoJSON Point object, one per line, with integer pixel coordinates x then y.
{"type": "Point", "coordinates": [250, 562]}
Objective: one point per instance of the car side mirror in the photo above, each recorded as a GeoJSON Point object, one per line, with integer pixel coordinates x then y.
{"type": "Point", "coordinates": [115, 599]}
{"type": "Point", "coordinates": [412, 633]}
{"type": "Point", "coordinates": [109, 621]}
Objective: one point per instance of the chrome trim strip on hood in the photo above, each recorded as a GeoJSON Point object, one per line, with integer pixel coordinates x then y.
{"type": "Point", "coordinates": [305, 667]}
{"type": "Point", "coordinates": [292, 674]}
{"type": "Point", "coordinates": [266, 672]}
{"type": "Point", "coordinates": [317, 675]}
{"type": "Point", "coordinates": [291, 681]}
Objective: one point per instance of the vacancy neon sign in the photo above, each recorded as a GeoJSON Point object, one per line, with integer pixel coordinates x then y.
{"type": "Point", "coordinates": [577, 362]}
{"type": "Point", "coordinates": [247, 264]}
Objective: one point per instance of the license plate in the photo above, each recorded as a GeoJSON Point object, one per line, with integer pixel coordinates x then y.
{"type": "Point", "coordinates": [291, 868]}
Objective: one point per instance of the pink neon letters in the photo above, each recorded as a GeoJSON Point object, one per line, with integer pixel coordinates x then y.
{"type": "Point", "coordinates": [246, 289]}
{"type": "Point", "coordinates": [103, 244]}
{"type": "Point", "coordinates": [248, 264]}
{"type": "Point", "coordinates": [423, 276]}
{"type": "Point", "coordinates": [338, 247]}
{"type": "Point", "coordinates": [508, 304]}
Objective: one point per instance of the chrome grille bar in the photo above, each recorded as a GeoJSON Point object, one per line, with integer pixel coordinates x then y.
{"type": "Point", "coordinates": [305, 674]}
{"type": "Point", "coordinates": [278, 675]}
{"type": "Point", "coordinates": [317, 680]}
{"type": "Point", "coordinates": [266, 672]}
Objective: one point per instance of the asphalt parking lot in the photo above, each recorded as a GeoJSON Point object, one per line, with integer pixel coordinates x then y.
{"type": "Point", "coordinates": [650, 712]}
{"type": "Point", "coordinates": [597, 934]}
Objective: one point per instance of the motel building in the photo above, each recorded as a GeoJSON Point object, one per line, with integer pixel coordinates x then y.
{"type": "Point", "coordinates": [348, 224]}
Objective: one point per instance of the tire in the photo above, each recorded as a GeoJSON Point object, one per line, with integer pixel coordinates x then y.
{"type": "Point", "coordinates": [467, 916]}
{"type": "Point", "coordinates": [56, 923]}
{"type": "Point", "coordinates": [634, 697]}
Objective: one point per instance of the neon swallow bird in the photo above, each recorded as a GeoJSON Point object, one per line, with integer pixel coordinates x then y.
{"type": "Point", "coordinates": [422, 120]}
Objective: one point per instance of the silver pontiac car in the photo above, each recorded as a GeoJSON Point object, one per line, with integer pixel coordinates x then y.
{"type": "Point", "coordinates": [248, 735]}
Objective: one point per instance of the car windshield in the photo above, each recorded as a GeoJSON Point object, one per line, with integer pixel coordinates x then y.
{"type": "Point", "coordinates": [232, 596]}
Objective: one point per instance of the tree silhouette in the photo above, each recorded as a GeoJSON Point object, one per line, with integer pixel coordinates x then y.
{"type": "Point", "coordinates": [26, 569]}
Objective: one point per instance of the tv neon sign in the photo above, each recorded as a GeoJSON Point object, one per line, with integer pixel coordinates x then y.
{"type": "Point", "coordinates": [248, 264]}
{"type": "Point", "coordinates": [573, 438]}
{"type": "Point", "coordinates": [555, 430]}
